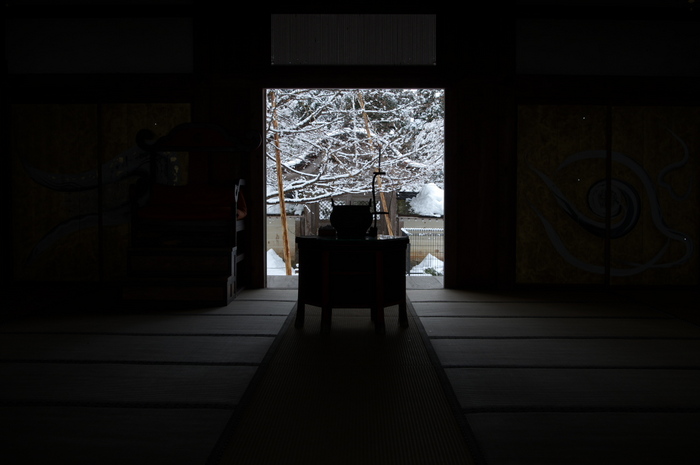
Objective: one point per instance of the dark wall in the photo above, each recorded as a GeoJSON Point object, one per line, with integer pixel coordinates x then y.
{"type": "Point", "coordinates": [489, 63]}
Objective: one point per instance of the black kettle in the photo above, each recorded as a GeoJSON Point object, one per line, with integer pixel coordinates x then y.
{"type": "Point", "coordinates": [351, 221]}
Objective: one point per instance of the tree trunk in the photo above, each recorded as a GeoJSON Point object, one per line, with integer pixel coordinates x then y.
{"type": "Point", "coordinates": [280, 191]}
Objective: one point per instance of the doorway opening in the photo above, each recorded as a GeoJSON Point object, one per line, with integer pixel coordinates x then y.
{"type": "Point", "coordinates": [324, 146]}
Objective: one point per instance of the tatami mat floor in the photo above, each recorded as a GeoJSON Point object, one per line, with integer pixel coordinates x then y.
{"type": "Point", "coordinates": [539, 377]}
{"type": "Point", "coordinates": [126, 387]}
{"type": "Point", "coordinates": [567, 378]}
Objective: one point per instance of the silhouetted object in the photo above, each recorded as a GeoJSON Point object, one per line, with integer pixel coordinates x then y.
{"type": "Point", "coordinates": [186, 238]}
{"type": "Point", "coordinates": [352, 273]}
{"type": "Point", "coordinates": [351, 221]}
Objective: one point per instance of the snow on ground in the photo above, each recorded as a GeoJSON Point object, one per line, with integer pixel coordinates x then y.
{"type": "Point", "coordinates": [275, 264]}
{"type": "Point", "coordinates": [430, 201]}
{"type": "Point", "coordinates": [429, 261]}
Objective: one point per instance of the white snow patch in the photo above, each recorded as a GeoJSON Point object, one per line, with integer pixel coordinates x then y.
{"type": "Point", "coordinates": [275, 264]}
{"type": "Point", "coordinates": [292, 209]}
{"type": "Point", "coordinates": [430, 261]}
{"type": "Point", "coordinates": [430, 201]}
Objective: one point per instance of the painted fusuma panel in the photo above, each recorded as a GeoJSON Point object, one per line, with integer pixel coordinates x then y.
{"type": "Point", "coordinates": [70, 192]}
{"type": "Point", "coordinates": [562, 167]}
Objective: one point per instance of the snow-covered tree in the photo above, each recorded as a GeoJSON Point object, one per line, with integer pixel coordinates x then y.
{"type": "Point", "coordinates": [331, 141]}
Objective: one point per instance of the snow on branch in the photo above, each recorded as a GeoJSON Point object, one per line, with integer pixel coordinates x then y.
{"type": "Point", "coordinates": [330, 140]}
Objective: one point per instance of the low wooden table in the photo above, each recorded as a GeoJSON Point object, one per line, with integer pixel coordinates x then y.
{"type": "Point", "coordinates": [352, 273]}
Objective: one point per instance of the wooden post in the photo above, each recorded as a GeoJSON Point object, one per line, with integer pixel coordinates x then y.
{"type": "Point", "coordinates": [311, 214]}
{"type": "Point", "coordinates": [393, 209]}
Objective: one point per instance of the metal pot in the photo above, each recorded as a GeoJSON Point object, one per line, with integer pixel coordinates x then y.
{"type": "Point", "coordinates": [351, 221]}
